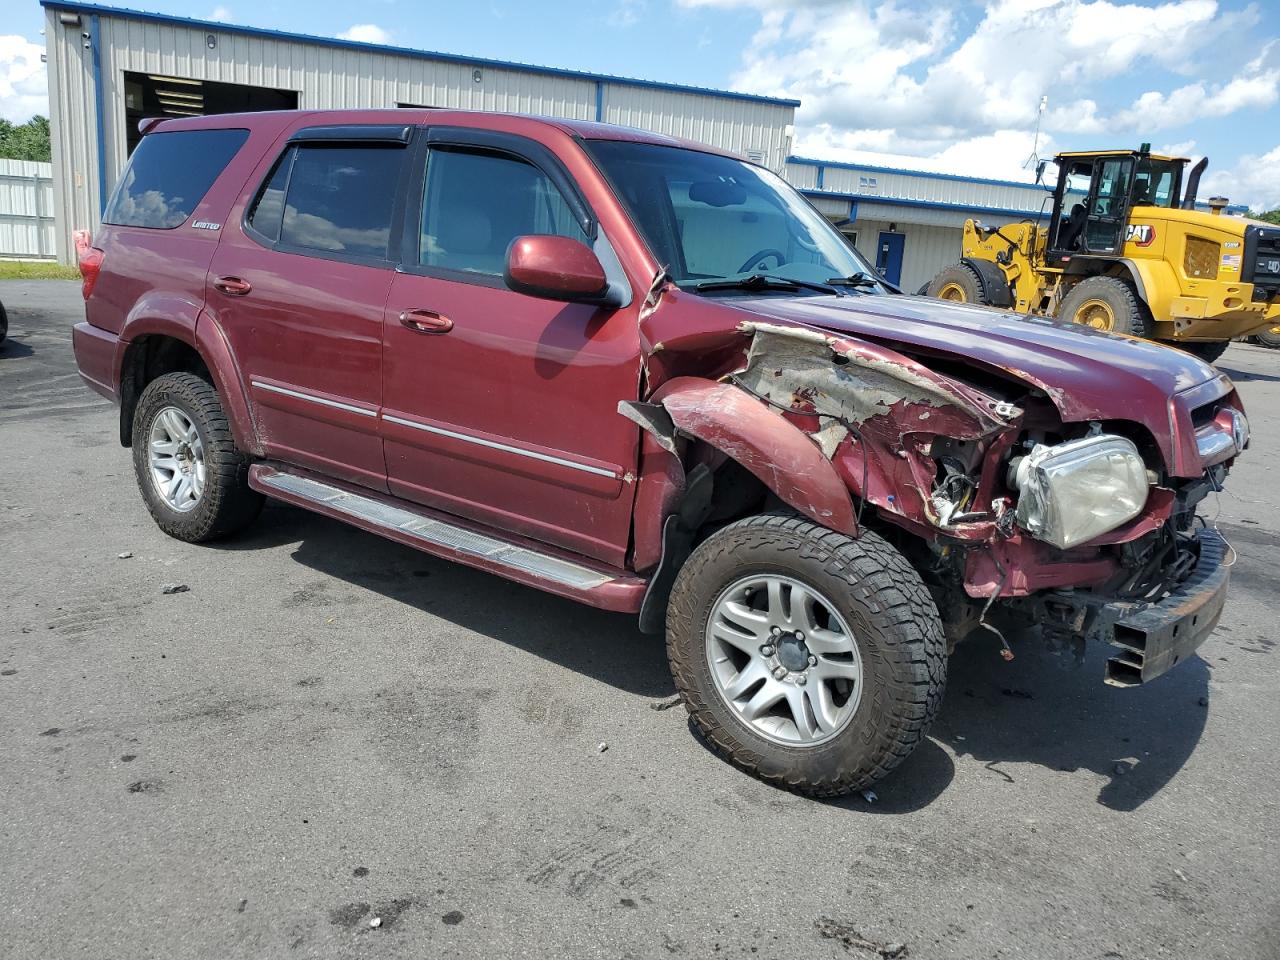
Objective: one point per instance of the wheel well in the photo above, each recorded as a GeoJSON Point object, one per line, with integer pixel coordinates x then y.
{"type": "Point", "coordinates": [146, 359]}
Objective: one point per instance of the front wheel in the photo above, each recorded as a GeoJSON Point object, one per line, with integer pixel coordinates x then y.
{"type": "Point", "coordinates": [810, 659]}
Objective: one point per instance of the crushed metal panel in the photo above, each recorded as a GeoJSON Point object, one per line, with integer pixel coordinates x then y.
{"type": "Point", "coordinates": [810, 371]}
{"type": "Point", "coordinates": [782, 456]}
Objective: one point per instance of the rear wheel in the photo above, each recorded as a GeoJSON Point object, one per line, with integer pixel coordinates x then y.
{"type": "Point", "coordinates": [957, 283]}
{"type": "Point", "coordinates": [1269, 338]}
{"type": "Point", "coordinates": [1106, 303]}
{"type": "Point", "coordinates": [4, 323]}
{"type": "Point", "coordinates": [192, 477]}
{"type": "Point", "coordinates": [1207, 350]}
{"type": "Point", "coordinates": [810, 659]}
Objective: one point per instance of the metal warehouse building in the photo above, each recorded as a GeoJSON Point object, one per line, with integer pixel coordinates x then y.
{"type": "Point", "coordinates": [110, 67]}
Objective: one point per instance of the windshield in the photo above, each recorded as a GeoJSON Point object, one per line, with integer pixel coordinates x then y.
{"type": "Point", "coordinates": [713, 218]}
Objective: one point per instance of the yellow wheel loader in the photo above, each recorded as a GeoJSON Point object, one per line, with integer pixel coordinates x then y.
{"type": "Point", "coordinates": [1126, 250]}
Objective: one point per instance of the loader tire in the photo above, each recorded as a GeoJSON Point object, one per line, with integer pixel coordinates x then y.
{"type": "Point", "coordinates": [957, 283]}
{"type": "Point", "coordinates": [1207, 350]}
{"type": "Point", "coordinates": [1106, 303]}
{"type": "Point", "coordinates": [1269, 338]}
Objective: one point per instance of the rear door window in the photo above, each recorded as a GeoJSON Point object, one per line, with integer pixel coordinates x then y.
{"type": "Point", "coordinates": [169, 174]}
{"type": "Point", "coordinates": [332, 200]}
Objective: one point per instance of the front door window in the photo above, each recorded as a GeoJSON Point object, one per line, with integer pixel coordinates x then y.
{"type": "Point", "coordinates": [1108, 204]}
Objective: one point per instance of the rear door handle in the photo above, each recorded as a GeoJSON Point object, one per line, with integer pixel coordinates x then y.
{"type": "Point", "coordinates": [426, 321]}
{"type": "Point", "coordinates": [232, 286]}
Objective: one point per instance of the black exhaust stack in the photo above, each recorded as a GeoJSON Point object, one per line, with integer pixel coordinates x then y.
{"type": "Point", "coordinates": [1193, 184]}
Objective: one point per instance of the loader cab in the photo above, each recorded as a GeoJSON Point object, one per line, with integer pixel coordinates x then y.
{"type": "Point", "coordinates": [1096, 193]}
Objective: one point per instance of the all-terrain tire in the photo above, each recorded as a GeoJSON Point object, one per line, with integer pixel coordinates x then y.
{"type": "Point", "coordinates": [1207, 350]}
{"type": "Point", "coordinates": [1108, 297]}
{"type": "Point", "coordinates": [892, 618]}
{"type": "Point", "coordinates": [1269, 338]}
{"type": "Point", "coordinates": [227, 504]}
{"type": "Point", "coordinates": [957, 283]}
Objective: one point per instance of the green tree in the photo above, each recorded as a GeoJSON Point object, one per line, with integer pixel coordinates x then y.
{"type": "Point", "coordinates": [25, 141]}
{"type": "Point", "coordinates": [1270, 216]}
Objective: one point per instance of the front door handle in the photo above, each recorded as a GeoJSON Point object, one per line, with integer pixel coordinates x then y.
{"type": "Point", "coordinates": [426, 321]}
{"type": "Point", "coordinates": [232, 286]}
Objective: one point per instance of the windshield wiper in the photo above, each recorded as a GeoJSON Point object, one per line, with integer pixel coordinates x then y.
{"type": "Point", "coordinates": [855, 280]}
{"type": "Point", "coordinates": [764, 281]}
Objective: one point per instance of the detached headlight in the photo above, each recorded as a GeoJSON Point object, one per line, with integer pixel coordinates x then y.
{"type": "Point", "coordinates": [1072, 492]}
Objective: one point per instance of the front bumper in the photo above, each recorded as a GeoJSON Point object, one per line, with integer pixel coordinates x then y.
{"type": "Point", "coordinates": [1156, 637]}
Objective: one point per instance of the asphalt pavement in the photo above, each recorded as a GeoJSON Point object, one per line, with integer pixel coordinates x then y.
{"type": "Point", "coordinates": [328, 729]}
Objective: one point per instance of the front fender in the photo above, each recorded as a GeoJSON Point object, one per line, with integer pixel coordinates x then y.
{"type": "Point", "coordinates": [780, 455]}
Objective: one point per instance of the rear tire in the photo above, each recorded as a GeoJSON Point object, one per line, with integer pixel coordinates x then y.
{"type": "Point", "coordinates": [859, 594]}
{"type": "Point", "coordinates": [958, 284]}
{"type": "Point", "coordinates": [1106, 303]}
{"type": "Point", "coordinates": [1207, 350]}
{"type": "Point", "coordinates": [4, 323]}
{"type": "Point", "coordinates": [193, 479]}
{"type": "Point", "coordinates": [1269, 338]}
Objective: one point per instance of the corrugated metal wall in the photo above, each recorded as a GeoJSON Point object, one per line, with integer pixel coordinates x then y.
{"type": "Point", "coordinates": [925, 251]}
{"type": "Point", "coordinates": [327, 76]}
{"type": "Point", "coordinates": [873, 182]}
{"type": "Point", "coordinates": [759, 130]}
{"type": "Point", "coordinates": [26, 210]}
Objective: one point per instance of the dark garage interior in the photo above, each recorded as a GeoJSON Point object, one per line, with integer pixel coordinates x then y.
{"type": "Point", "coordinates": [152, 95]}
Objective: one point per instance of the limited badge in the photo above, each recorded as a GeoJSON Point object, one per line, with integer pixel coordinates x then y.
{"type": "Point", "coordinates": [206, 225]}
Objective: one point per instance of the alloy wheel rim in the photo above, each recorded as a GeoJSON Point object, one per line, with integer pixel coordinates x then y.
{"type": "Point", "coordinates": [176, 455]}
{"type": "Point", "coordinates": [1096, 314]}
{"type": "Point", "coordinates": [783, 660]}
{"type": "Point", "coordinates": [953, 292]}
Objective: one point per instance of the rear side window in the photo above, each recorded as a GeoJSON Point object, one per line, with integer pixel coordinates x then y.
{"type": "Point", "coordinates": [169, 175]}
{"type": "Point", "coordinates": [336, 200]}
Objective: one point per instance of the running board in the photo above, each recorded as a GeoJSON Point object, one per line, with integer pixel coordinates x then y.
{"type": "Point", "coordinates": [446, 537]}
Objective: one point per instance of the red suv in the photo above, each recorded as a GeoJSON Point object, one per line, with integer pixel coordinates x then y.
{"type": "Point", "coordinates": [649, 376]}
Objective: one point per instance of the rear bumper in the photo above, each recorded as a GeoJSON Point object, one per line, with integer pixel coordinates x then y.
{"type": "Point", "coordinates": [96, 352]}
{"type": "Point", "coordinates": [1153, 639]}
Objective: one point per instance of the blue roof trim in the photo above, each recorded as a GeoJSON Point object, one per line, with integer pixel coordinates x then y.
{"type": "Point", "coordinates": [217, 27]}
{"type": "Point", "coordinates": [855, 198]}
{"type": "Point", "coordinates": [927, 174]}
{"type": "Point", "coordinates": [1234, 208]}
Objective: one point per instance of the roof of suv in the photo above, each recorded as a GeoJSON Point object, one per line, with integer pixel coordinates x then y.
{"type": "Point", "coordinates": [511, 122]}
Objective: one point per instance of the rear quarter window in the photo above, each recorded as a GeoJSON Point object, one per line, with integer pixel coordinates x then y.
{"type": "Point", "coordinates": [169, 174]}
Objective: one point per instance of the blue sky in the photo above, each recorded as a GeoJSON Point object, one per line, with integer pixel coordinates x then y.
{"type": "Point", "coordinates": [939, 84]}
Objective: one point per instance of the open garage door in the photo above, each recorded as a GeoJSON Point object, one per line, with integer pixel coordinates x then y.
{"type": "Point", "coordinates": [153, 95]}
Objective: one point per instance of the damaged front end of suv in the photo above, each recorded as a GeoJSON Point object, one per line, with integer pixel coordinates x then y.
{"type": "Point", "coordinates": [1014, 499]}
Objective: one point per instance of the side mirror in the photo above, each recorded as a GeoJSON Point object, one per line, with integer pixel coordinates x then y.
{"type": "Point", "coordinates": [555, 268]}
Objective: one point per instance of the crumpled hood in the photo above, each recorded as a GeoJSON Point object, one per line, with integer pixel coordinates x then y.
{"type": "Point", "coordinates": [1088, 374]}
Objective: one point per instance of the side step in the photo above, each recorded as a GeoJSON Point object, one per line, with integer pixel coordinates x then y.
{"type": "Point", "coordinates": [448, 537]}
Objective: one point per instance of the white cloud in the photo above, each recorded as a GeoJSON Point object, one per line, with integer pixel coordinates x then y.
{"type": "Point", "coordinates": [366, 33]}
{"type": "Point", "coordinates": [220, 14]}
{"type": "Point", "coordinates": [626, 13]}
{"type": "Point", "coordinates": [24, 85]}
{"type": "Point", "coordinates": [1254, 180]}
{"type": "Point", "coordinates": [886, 78]}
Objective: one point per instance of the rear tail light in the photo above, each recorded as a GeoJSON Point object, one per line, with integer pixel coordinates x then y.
{"type": "Point", "coordinates": [90, 267]}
